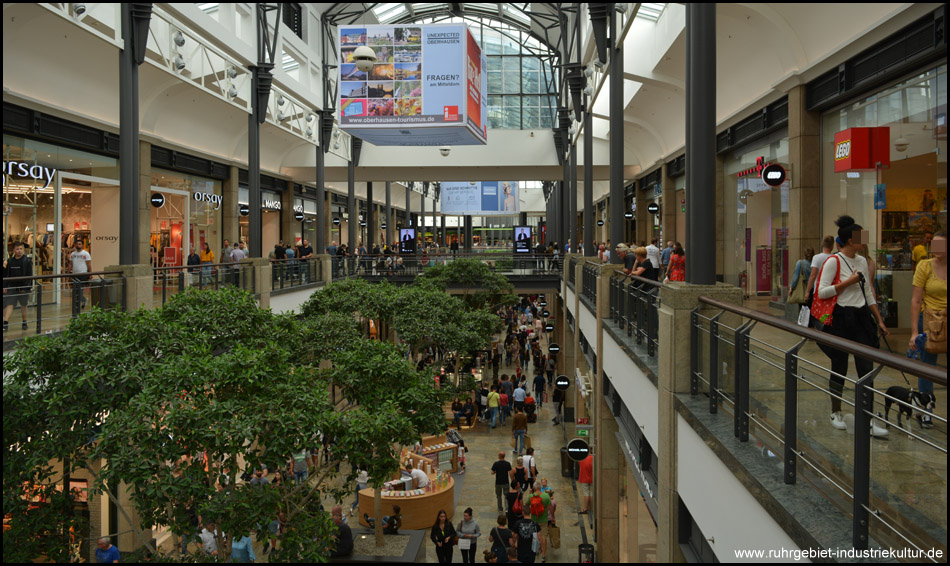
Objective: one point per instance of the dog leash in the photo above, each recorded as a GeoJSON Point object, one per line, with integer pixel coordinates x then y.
{"type": "Point", "coordinates": [874, 322]}
{"type": "Point", "coordinates": [886, 343]}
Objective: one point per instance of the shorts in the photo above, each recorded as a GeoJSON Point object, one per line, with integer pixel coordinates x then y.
{"type": "Point", "coordinates": [11, 298]}
{"type": "Point", "coordinates": [585, 489]}
{"type": "Point", "coordinates": [545, 532]}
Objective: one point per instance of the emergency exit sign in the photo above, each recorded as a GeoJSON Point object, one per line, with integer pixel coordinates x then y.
{"type": "Point", "coordinates": [582, 421]}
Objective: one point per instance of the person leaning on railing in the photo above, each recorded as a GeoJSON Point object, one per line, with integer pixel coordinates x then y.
{"type": "Point", "coordinates": [850, 318]}
{"type": "Point", "coordinates": [930, 291]}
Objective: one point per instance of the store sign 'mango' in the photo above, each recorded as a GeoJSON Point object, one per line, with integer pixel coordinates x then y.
{"type": "Point", "coordinates": [22, 170]}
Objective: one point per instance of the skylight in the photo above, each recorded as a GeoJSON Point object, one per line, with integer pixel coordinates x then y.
{"type": "Point", "coordinates": [386, 13]}
{"type": "Point", "coordinates": [207, 7]}
{"type": "Point", "coordinates": [651, 12]}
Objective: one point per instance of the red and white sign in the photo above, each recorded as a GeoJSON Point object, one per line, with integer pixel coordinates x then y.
{"type": "Point", "coordinates": [582, 421]}
{"type": "Point", "coordinates": [862, 149]}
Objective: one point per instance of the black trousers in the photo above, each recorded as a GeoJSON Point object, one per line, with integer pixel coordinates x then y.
{"type": "Point", "coordinates": [853, 324]}
{"type": "Point", "coordinates": [444, 553]}
{"type": "Point", "coordinates": [468, 556]}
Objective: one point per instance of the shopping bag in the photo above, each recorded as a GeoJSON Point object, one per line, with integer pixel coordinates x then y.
{"type": "Point", "coordinates": [804, 316]}
{"type": "Point", "coordinates": [555, 534]}
{"type": "Point", "coordinates": [527, 442]}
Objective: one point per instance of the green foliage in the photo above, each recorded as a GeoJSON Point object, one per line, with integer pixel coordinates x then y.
{"type": "Point", "coordinates": [482, 287]}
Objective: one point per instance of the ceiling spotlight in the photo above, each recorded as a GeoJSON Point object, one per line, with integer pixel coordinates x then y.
{"type": "Point", "coordinates": [280, 100]}
{"type": "Point", "coordinates": [336, 133]}
{"type": "Point", "coordinates": [309, 118]}
{"type": "Point", "coordinates": [365, 58]}
{"type": "Point", "coordinates": [620, 7]}
{"type": "Point", "coordinates": [588, 90]}
{"type": "Point", "coordinates": [336, 145]}
{"type": "Point", "coordinates": [79, 9]}
{"type": "Point", "coordinates": [589, 71]}
{"type": "Point", "coordinates": [901, 144]}
{"type": "Point", "coordinates": [232, 92]}
{"type": "Point", "coordinates": [232, 71]}
{"type": "Point", "coordinates": [281, 117]}
{"type": "Point", "coordinates": [309, 132]}
{"type": "Point", "coordinates": [445, 151]}
{"type": "Point", "coordinates": [179, 63]}
{"type": "Point", "coordinates": [179, 38]}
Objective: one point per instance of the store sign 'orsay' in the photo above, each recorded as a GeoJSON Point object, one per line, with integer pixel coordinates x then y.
{"type": "Point", "coordinates": [216, 200]}
{"type": "Point", "coordinates": [578, 450]}
{"type": "Point", "coordinates": [157, 200]}
{"type": "Point", "coordinates": [21, 170]}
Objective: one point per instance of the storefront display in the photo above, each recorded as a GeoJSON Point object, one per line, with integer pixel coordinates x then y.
{"type": "Point", "coordinates": [899, 193]}
{"type": "Point", "coordinates": [755, 227]}
{"type": "Point", "coordinates": [185, 214]}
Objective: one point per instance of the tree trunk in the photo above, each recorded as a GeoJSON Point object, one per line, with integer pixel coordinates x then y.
{"type": "Point", "coordinates": [378, 513]}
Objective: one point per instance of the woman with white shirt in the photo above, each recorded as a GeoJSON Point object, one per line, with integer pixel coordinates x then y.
{"type": "Point", "coordinates": [851, 318]}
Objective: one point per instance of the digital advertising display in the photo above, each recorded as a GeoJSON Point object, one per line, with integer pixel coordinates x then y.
{"type": "Point", "coordinates": [427, 87]}
{"type": "Point", "coordinates": [482, 198]}
{"type": "Point", "coordinates": [522, 239]}
{"type": "Point", "coordinates": [407, 241]}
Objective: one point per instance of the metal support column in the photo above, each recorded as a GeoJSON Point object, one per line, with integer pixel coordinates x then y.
{"type": "Point", "coordinates": [389, 213]}
{"type": "Point", "coordinates": [321, 241]}
{"type": "Point", "coordinates": [572, 201]}
{"type": "Point", "coordinates": [135, 22]}
{"type": "Point", "coordinates": [351, 208]}
{"type": "Point", "coordinates": [261, 80]}
{"type": "Point", "coordinates": [468, 234]}
{"type": "Point", "coordinates": [701, 142]}
{"type": "Point", "coordinates": [408, 206]}
{"type": "Point", "coordinates": [589, 182]}
{"type": "Point", "coordinates": [422, 215]}
{"type": "Point", "coordinates": [370, 218]}
{"type": "Point", "coordinates": [616, 136]}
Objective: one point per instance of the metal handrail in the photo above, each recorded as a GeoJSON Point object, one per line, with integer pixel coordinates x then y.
{"type": "Point", "coordinates": [920, 369]}
{"type": "Point", "coordinates": [69, 275]}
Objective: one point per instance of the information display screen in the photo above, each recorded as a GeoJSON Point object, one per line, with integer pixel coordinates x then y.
{"type": "Point", "coordinates": [522, 239]}
{"type": "Point", "coordinates": [407, 241]}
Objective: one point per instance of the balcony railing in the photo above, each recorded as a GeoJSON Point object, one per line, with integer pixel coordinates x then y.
{"type": "Point", "coordinates": [768, 373]}
{"type": "Point", "coordinates": [634, 304]}
{"type": "Point", "coordinates": [398, 266]}
{"type": "Point", "coordinates": [167, 281]}
{"type": "Point", "coordinates": [590, 273]}
{"type": "Point", "coordinates": [290, 273]}
{"type": "Point", "coordinates": [51, 301]}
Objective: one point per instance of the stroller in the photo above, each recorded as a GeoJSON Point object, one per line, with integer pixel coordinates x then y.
{"type": "Point", "coordinates": [530, 409]}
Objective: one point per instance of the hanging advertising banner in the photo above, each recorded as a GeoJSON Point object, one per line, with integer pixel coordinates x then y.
{"type": "Point", "coordinates": [426, 88]}
{"type": "Point", "coordinates": [483, 198]}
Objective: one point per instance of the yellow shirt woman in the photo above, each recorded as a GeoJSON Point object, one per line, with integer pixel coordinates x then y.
{"type": "Point", "coordinates": [207, 256]}
{"type": "Point", "coordinates": [935, 288]}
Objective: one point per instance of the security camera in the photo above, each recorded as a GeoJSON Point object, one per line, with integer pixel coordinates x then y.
{"type": "Point", "coordinates": [445, 151]}
{"type": "Point", "coordinates": [179, 63]}
{"type": "Point", "coordinates": [79, 9]}
{"type": "Point", "coordinates": [365, 58]}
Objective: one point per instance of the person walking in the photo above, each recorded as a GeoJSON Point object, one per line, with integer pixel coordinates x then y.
{"type": "Point", "coordinates": [530, 466]}
{"type": "Point", "coordinates": [494, 402]}
{"type": "Point", "coordinates": [468, 533]}
{"type": "Point", "coordinates": [519, 428]}
{"type": "Point", "coordinates": [80, 263]}
{"type": "Point", "coordinates": [930, 298]}
{"type": "Point", "coordinates": [558, 398]}
{"type": "Point", "coordinates": [526, 536]}
{"type": "Point", "coordinates": [500, 469]}
{"type": "Point", "coordinates": [501, 539]}
{"type": "Point", "coordinates": [676, 269]}
{"type": "Point", "coordinates": [538, 505]}
{"type": "Point", "coordinates": [844, 277]}
{"type": "Point", "coordinates": [16, 292]}
{"type": "Point", "coordinates": [444, 536]}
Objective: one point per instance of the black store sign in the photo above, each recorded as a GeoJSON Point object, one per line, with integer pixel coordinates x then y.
{"type": "Point", "coordinates": [653, 208]}
{"type": "Point", "coordinates": [158, 200]}
{"type": "Point", "coordinates": [554, 348]}
{"type": "Point", "coordinates": [578, 450]}
{"type": "Point", "coordinates": [562, 382]}
{"type": "Point", "coordinates": [244, 209]}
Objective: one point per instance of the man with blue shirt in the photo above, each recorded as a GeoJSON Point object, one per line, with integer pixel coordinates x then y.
{"type": "Point", "coordinates": [666, 253]}
{"type": "Point", "coordinates": [105, 552]}
{"type": "Point", "coordinates": [519, 395]}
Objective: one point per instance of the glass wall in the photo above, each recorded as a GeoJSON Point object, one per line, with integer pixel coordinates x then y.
{"type": "Point", "coordinates": [755, 223]}
{"type": "Point", "coordinates": [901, 204]}
{"type": "Point", "coordinates": [189, 217]}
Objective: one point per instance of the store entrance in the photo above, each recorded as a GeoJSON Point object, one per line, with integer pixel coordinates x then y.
{"type": "Point", "coordinates": [170, 228]}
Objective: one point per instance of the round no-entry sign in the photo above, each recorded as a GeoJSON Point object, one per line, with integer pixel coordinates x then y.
{"type": "Point", "coordinates": [562, 382]}
{"type": "Point", "coordinates": [578, 450]}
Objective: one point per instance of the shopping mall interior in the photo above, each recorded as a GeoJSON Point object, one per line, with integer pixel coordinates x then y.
{"type": "Point", "coordinates": [282, 244]}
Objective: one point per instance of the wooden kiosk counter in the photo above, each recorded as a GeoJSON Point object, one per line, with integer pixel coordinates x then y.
{"type": "Point", "coordinates": [418, 510]}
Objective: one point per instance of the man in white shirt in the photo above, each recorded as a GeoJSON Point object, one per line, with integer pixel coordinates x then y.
{"type": "Point", "coordinates": [419, 478]}
{"type": "Point", "coordinates": [80, 263]}
{"type": "Point", "coordinates": [209, 544]}
{"type": "Point", "coordinates": [237, 255]}
{"type": "Point", "coordinates": [530, 465]}
{"type": "Point", "coordinates": [653, 254]}
{"type": "Point", "coordinates": [827, 250]}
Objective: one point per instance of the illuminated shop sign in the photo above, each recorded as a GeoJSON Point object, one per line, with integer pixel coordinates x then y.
{"type": "Point", "coordinates": [216, 200]}
{"type": "Point", "coordinates": [862, 149]}
{"type": "Point", "coordinates": [22, 170]}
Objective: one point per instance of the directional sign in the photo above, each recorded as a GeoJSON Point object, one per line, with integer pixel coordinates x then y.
{"type": "Point", "coordinates": [583, 432]}
{"type": "Point", "coordinates": [554, 348]}
{"type": "Point", "coordinates": [578, 450]}
{"type": "Point", "coordinates": [562, 382]}
{"type": "Point", "coordinates": [582, 421]}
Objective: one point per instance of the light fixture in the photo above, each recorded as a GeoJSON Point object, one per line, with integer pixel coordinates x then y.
{"type": "Point", "coordinates": [309, 132]}
{"type": "Point", "coordinates": [232, 71]}
{"type": "Point", "coordinates": [589, 71]}
{"type": "Point", "coordinates": [336, 133]}
{"type": "Point", "coordinates": [901, 144]}
{"type": "Point", "coordinates": [281, 117]}
{"type": "Point", "coordinates": [336, 145]}
{"type": "Point", "coordinates": [280, 100]}
{"type": "Point", "coordinates": [589, 90]}
{"type": "Point", "coordinates": [572, 130]}
{"type": "Point", "coordinates": [444, 150]}
{"type": "Point", "coordinates": [179, 62]}
{"type": "Point", "coordinates": [365, 58]}
{"type": "Point", "coordinates": [309, 118]}
{"type": "Point", "coordinates": [232, 92]}
{"type": "Point", "coordinates": [179, 38]}
{"type": "Point", "coordinates": [620, 7]}
{"type": "Point", "coordinates": [79, 9]}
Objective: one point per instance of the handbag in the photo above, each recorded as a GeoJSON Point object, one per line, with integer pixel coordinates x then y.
{"type": "Point", "coordinates": [799, 293]}
{"type": "Point", "coordinates": [935, 325]}
{"type": "Point", "coordinates": [554, 533]}
{"type": "Point", "coordinates": [822, 309]}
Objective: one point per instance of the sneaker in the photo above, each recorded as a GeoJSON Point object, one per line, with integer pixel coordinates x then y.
{"type": "Point", "coordinates": [877, 430]}
{"type": "Point", "coordinates": [6, 326]}
{"type": "Point", "coordinates": [25, 325]}
{"type": "Point", "coordinates": [837, 420]}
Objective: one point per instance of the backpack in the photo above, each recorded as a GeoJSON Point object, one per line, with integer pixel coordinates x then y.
{"type": "Point", "coordinates": [537, 506]}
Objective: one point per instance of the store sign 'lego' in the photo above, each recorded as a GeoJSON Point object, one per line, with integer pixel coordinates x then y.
{"type": "Point", "coordinates": [21, 170]}
{"type": "Point", "coordinates": [862, 149]}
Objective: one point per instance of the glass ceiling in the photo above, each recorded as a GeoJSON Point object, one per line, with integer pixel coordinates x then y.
{"type": "Point", "coordinates": [392, 12]}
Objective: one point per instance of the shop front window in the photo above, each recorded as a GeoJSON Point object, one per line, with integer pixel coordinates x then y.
{"type": "Point", "coordinates": [755, 229]}
{"type": "Point", "coordinates": [899, 204]}
{"type": "Point", "coordinates": [188, 217]}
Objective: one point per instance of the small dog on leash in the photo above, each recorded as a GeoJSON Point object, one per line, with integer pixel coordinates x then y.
{"type": "Point", "coordinates": [923, 402]}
